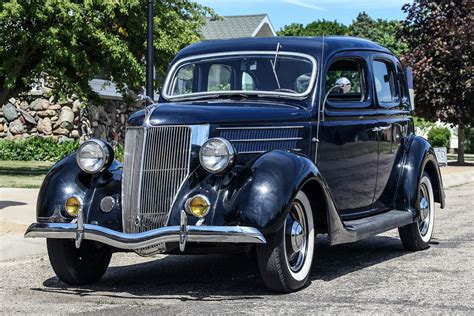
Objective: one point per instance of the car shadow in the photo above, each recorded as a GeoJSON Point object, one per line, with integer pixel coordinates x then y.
{"type": "Point", "coordinates": [5, 204]}
{"type": "Point", "coordinates": [224, 277]}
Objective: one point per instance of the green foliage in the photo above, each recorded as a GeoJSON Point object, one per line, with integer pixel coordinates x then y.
{"type": "Point", "coordinates": [42, 149]}
{"type": "Point", "coordinates": [439, 137]}
{"type": "Point", "coordinates": [423, 124]}
{"type": "Point", "coordinates": [118, 150]}
{"type": "Point", "coordinates": [381, 31]}
{"type": "Point", "coordinates": [316, 28]}
{"type": "Point", "coordinates": [36, 148]}
{"type": "Point", "coordinates": [69, 42]}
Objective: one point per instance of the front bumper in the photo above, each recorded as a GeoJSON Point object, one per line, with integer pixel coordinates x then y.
{"type": "Point", "coordinates": [180, 234]}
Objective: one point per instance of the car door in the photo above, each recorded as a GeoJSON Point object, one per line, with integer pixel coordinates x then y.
{"type": "Point", "coordinates": [348, 149]}
{"type": "Point", "coordinates": [393, 124]}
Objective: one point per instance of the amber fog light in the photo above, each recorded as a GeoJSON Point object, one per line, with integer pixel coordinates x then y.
{"type": "Point", "coordinates": [72, 206]}
{"type": "Point", "coordinates": [198, 206]}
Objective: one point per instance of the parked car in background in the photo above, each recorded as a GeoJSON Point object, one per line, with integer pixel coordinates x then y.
{"type": "Point", "coordinates": [254, 144]}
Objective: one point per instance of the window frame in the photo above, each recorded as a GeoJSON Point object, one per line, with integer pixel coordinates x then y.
{"type": "Point", "coordinates": [168, 84]}
{"type": "Point", "coordinates": [366, 101]}
{"type": "Point", "coordinates": [404, 97]}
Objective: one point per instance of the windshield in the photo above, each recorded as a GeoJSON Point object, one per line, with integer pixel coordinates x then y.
{"type": "Point", "coordinates": [285, 74]}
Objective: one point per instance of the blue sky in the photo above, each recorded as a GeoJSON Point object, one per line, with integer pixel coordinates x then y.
{"type": "Point", "coordinates": [282, 12]}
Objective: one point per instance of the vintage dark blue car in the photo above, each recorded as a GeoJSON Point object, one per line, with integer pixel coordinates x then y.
{"type": "Point", "coordinates": [255, 144]}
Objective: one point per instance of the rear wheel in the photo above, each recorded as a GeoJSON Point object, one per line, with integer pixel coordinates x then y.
{"type": "Point", "coordinates": [417, 236]}
{"type": "Point", "coordinates": [81, 266]}
{"type": "Point", "coordinates": [285, 260]}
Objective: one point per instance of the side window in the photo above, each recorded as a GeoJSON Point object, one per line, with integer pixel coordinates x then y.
{"type": "Point", "coordinates": [184, 80]}
{"type": "Point", "coordinates": [220, 78]}
{"type": "Point", "coordinates": [403, 85]}
{"type": "Point", "coordinates": [384, 78]}
{"type": "Point", "coordinates": [352, 69]}
{"type": "Point", "coordinates": [248, 83]}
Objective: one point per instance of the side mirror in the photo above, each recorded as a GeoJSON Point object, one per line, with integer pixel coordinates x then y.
{"type": "Point", "coordinates": [343, 84]}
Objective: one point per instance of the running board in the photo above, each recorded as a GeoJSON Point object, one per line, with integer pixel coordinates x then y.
{"type": "Point", "coordinates": [358, 229]}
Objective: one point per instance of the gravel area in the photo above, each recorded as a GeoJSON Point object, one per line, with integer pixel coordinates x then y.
{"type": "Point", "coordinates": [373, 276]}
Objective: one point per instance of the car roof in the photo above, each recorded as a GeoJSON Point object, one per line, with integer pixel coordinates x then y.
{"type": "Point", "coordinates": [307, 45]}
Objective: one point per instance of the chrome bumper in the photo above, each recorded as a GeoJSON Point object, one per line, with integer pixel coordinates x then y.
{"type": "Point", "coordinates": [180, 234]}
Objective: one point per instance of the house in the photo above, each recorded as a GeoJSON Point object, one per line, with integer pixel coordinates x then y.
{"type": "Point", "coordinates": [257, 25]}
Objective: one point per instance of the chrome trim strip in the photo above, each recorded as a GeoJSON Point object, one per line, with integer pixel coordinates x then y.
{"type": "Point", "coordinates": [258, 127]}
{"type": "Point", "coordinates": [171, 73]}
{"type": "Point", "coordinates": [264, 151]}
{"type": "Point", "coordinates": [135, 241]}
{"type": "Point", "coordinates": [266, 139]}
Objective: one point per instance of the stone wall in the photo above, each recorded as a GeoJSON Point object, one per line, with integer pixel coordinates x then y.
{"type": "Point", "coordinates": [38, 114]}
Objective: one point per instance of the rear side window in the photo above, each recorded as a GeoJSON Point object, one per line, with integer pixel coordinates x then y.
{"type": "Point", "coordinates": [352, 69]}
{"type": "Point", "coordinates": [384, 79]}
{"type": "Point", "coordinates": [248, 83]}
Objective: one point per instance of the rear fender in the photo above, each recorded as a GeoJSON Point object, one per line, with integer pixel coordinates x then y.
{"type": "Point", "coordinates": [420, 157]}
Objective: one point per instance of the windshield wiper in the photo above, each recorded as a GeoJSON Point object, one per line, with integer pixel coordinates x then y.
{"type": "Point", "coordinates": [274, 65]}
{"type": "Point", "coordinates": [217, 96]}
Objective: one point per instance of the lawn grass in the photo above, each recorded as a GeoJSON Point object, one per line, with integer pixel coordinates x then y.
{"type": "Point", "coordinates": [23, 174]}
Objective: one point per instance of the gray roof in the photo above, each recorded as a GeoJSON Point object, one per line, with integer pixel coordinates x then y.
{"type": "Point", "coordinates": [232, 26]}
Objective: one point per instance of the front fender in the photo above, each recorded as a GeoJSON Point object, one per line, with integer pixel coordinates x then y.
{"type": "Point", "coordinates": [420, 157]}
{"type": "Point", "coordinates": [260, 195]}
{"type": "Point", "coordinates": [66, 179]}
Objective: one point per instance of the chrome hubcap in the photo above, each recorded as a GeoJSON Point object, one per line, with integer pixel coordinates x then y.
{"type": "Point", "coordinates": [296, 237]}
{"type": "Point", "coordinates": [424, 221]}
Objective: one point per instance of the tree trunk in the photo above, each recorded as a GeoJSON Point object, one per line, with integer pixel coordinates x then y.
{"type": "Point", "coordinates": [461, 144]}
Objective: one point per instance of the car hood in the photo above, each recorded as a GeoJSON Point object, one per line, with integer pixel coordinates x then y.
{"type": "Point", "coordinates": [194, 113]}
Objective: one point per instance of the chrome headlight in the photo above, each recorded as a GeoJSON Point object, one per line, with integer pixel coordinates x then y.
{"type": "Point", "coordinates": [94, 155]}
{"type": "Point", "coordinates": [217, 155]}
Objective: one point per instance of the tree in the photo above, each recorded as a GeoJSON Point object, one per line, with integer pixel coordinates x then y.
{"type": "Point", "coordinates": [381, 31]}
{"type": "Point", "coordinates": [68, 42]}
{"type": "Point", "coordinates": [316, 28]}
{"type": "Point", "coordinates": [293, 29]}
{"type": "Point", "coordinates": [439, 36]}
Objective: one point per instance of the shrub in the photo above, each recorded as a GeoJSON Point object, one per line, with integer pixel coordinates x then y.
{"type": "Point", "coordinates": [36, 148]}
{"type": "Point", "coordinates": [439, 137]}
{"type": "Point", "coordinates": [423, 124]}
{"type": "Point", "coordinates": [42, 149]}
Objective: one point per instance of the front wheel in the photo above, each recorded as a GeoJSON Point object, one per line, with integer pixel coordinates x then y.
{"type": "Point", "coordinates": [285, 260]}
{"type": "Point", "coordinates": [416, 236]}
{"type": "Point", "coordinates": [81, 266]}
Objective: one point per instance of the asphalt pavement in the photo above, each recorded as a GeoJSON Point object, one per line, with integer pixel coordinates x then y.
{"type": "Point", "coordinates": [375, 276]}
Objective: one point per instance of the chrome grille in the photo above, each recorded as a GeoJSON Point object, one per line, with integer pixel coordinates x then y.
{"type": "Point", "coordinates": [252, 140]}
{"type": "Point", "coordinates": [164, 165]}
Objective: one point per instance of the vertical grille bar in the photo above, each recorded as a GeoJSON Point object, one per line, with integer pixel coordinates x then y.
{"type": "Point", "coordinates": [131, 176]}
